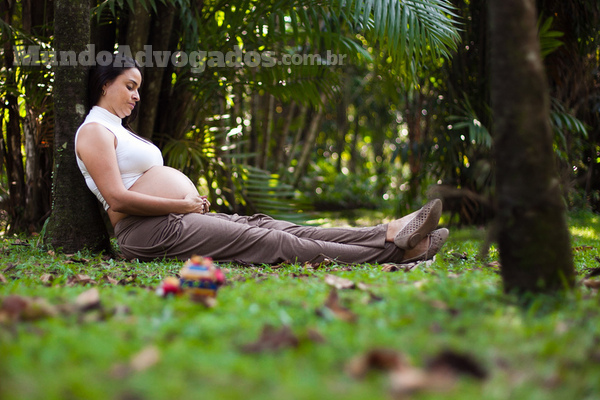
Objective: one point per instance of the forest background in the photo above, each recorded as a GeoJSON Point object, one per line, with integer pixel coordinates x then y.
{"type": "Point", "coordinates": [378, 131]}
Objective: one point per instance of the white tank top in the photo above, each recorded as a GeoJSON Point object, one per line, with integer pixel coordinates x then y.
{"type": "Point", "coordinates": [134, 154]}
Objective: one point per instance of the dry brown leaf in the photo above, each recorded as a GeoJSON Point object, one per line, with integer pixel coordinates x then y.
{"type": "Point", "coordinates": [592, 283]}
{"type": "Point", "coordinates": [391, 267]}
{"type": "Point", "coordinates": [13, 306]}
{"type": "Point", "coordinates": [144, 359]}
{"type": "Point", "coordinates": [451, 362]}
{"type": "Point", "coordinates": [332, 303]}
{"type": "Point", "coordinates": [79, 279]}
{"type": "Point", "coordinates": [315, 336]}
{"type": "Point", "coordinates": [580, 248]}
{"type": "Point", "coordinates": [339, 282]}
{"type": "Point", "coordinates": [46, 278]}
{"type": "Point", "coordinates": [88, 300]}
{"type": "Point", "coordinates": [439, 304]}
{"type": "Point", "coordinates": [8, 267]}
{"type": "Point", "coordinates": [408, 379]}
{"type": "Point", "coordinates": [110, 279]}
{"type": "Point", "coordinates": [381, 359]}
{"type": "Point", "coordinates": [272, 339]}
{"type": "Point", "coordinates": [38, 308]}
{"type": "Point", "coordinates": [3, 279]}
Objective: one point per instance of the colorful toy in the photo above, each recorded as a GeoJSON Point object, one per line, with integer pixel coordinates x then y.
{"type": "Point", "coordinates": [198, 278]}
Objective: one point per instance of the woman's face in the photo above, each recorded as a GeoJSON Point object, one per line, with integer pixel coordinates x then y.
{"type": "Point", "coordinates": [121, 95]}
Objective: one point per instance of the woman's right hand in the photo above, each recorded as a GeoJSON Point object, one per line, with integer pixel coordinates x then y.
{"type": "Point", "coordinates": [197, 204]}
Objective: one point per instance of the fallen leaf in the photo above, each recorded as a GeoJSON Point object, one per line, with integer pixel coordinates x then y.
{"type": "Point", "coordinates": [332, 303]}
{"type": "Point", "coordinates": [462, 256]}
{"type": "Point", "coordinates": [109, 279]}
{"type": "Point", "coordinates": [9, 266]}
{"type": "Point", "coordinates": [3, 279]}
{"type": "Point", "coordinates": [79, 279]}
{"type": "Point", "coordinates": [381, 359]}
{"type": "Point", "coordinates": [88, 300]}
{"type": "Point", "coordinates": [47, 278]}
{"type": "Point", "coordinates": [439, 304]}
{"type": "Point", "coordinates": [339, 282]}
{"type": "Point", "coordinates": [13, 305]}
{"type": "Point", "coordinates": [272, 339]}
{"type": "Point", "coordinates": [120, 310]}
{"type": "Point", "coordinates": [580, 248]}
{"type": "Point", "coordinates": [408, 379]}
{"type": "Point", "coordinates": [315, 336]}
{"type": "Point", "coordinates": [457, 363]}
{"type": "Point", "coordinates": [38, 308]}
{"type": "Point", "coordinates": [78, 260]}
{"type": "Point", "coordinates": [391, 267]}
{"type": "Point", "coordinates": [144, 359]}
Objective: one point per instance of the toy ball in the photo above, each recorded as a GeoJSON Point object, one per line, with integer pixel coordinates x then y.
{"type": "Point", "coordinates": [198, 278]}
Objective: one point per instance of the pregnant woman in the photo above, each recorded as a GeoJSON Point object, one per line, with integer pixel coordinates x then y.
{"type": "Point", "coordinates": [157, 212]}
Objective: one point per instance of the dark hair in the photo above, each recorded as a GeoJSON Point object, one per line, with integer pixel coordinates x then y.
{"type": "Point", "coordinates": [100, 75]}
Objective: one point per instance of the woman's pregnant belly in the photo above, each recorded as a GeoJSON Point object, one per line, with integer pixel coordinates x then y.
{"type": "Point", "coordinates": [164, 181]}
{"type": "Point", "coordinates": [160, 181]}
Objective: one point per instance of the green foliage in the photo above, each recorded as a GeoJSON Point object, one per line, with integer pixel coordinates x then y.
{"type": "Point", "coordinates": [548, 37]}
{"type": "Point", "coordinates": [329, 190]}
{"type": "Point", "coordinates": [546, 349]}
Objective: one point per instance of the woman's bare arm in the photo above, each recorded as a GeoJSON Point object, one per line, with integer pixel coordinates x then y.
{"type": "Point", "coordinates": [96, 148]}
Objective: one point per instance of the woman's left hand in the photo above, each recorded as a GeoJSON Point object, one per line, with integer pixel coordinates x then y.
{"type": "Point", "coordinates": [205, 204]}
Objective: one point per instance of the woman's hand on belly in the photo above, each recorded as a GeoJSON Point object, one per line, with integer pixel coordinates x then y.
{"type": "Point", "coordinates": [163, 182]}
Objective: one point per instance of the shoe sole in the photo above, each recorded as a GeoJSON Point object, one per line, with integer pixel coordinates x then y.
{"type": "Point", "coordinates": [438, 239]}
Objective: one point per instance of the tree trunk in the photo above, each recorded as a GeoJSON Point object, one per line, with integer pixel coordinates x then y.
{"type": "Point", "coordinates": [137, 35]}
{"type": "Point", "coordinates": [76, 222]}
{"type": "Point", "coordinates": [283, 137]}
{"type": "Point", "coordinates": [309, 144]}
{"type": "Point", "coordinates": [12, 151]}
{"type": "Point", "coordinates": [264, 154]}
{"type": "Point", "coordinates": [159, 39]}
{"type": "Point", "coordinates": [533, 239]}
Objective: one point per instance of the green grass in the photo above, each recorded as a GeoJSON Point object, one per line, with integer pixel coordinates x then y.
{"type": "Point", "coordinates": [549, 350]}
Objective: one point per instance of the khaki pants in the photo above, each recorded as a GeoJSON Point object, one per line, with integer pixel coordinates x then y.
{"type": "Point", "coordinates": [255, 239]}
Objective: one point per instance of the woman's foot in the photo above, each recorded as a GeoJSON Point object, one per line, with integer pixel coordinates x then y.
{"type": "Point", "coordinates": [428, 247]}
{"type": "Point", "coordinates": [409, 230]}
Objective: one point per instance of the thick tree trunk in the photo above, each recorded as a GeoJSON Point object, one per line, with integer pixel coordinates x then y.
{"type": "Point", "coordinates": [76, 222]}
{"type": "Point", "coordinates": [533, 239]}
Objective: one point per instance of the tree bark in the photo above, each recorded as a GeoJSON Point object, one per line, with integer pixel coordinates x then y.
{"type": "Point", "coordinates": [533, 239]}
{"type": "Point", "coordinates": [159, 39]}
{"type": "Point", "coordinates": [76, 222]}
{"type": "Point", "coordinates": [309, 144]}
{"type": "Point", "coordinates": [12, 148]}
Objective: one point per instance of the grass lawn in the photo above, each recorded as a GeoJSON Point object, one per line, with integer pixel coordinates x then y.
{"type": "Point", "coordinates": [445, 330]}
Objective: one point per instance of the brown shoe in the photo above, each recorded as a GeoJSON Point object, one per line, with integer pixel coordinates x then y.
{"type": "Point", "coordinates": [437, 239]}
{"type": "Point", "coordinates": [425, 221]}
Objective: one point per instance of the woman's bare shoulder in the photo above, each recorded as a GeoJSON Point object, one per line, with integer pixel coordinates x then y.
{"type": "Point", "coordinates": [93, 137]}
